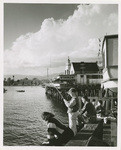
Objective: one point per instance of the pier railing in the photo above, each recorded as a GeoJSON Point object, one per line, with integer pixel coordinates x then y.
{"type": "Point", "coordinates": [88, 90]}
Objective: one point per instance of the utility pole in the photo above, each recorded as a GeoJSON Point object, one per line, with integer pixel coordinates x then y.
{"type": "Point", "coordinates": [47, 73]}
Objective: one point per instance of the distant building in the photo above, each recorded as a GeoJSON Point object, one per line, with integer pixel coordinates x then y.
{"type": "Point", "coordinates": [64, 80]}
{"type": "Point", "coordinates": [83, 67]}
{"type": "Point", "coordinates": [68, 66]}
{"type": "Point", "coordinates": [82, 72]}
{"type": "Point", "coordinates": [85, 76]}
{"type": "Point", "coordinates": [67, 77]}
{"type": "Point", "coordinates": [86, 72]}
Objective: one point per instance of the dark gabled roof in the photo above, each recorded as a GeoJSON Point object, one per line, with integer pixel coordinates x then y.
{"type": "Point", "coordinates": [111, 36]}
{"type": "Point", "coordinates": [89, 66]}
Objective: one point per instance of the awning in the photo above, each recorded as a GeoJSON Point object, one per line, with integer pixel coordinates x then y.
{"type": "Point", "coordinates": [113, 85]}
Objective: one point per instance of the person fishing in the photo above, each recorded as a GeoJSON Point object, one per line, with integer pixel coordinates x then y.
{"type": "Point", "coordinates": [88, 111]}
{"type": "Point", "coordinates": [58, 133]}
{"type": "Point", "coordinates": [72, 103]}
{"type": "Point", "coordinates": [73, 106]}
{"type": "Point", "coordinates": [100, 108]}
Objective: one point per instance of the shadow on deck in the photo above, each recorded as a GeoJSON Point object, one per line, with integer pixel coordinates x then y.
{"type": "Point", "coordinates": [92, 135]}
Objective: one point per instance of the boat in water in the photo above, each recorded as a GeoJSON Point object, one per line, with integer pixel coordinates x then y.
{"type": "Point", "coordinates": [20, 90]}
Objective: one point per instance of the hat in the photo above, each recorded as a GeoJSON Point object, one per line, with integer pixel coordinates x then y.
{"type": "Point", "coordinates": [47, 115]}
{"type": "Point", "coordinates": [71, 90]}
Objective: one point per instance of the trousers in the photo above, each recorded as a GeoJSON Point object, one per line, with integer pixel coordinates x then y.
{"type": "Point", "coordinates": [73, 121]}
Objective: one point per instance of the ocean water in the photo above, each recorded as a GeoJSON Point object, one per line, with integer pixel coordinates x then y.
{"type": "Point", "coordinates": [23, 125]}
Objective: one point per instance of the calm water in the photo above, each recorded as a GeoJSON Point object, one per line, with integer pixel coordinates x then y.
{"type": "Point", "coordinates": [22, 115]}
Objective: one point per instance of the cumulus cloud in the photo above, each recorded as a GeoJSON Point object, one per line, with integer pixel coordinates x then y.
{"type": "Point", "coordinates": [56, 39]}
{"type": "Point", "coordinates": [90, 51]}
{"type": "Point", "coordinates": [112, 20]}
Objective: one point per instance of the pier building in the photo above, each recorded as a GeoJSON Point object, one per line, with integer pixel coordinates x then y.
{"type": "Point", "coordinates": [86, 72]}
{"type": "Point", "coordinates": [110, 79]}
{"type": "Point", "coordinates": [110, 62]}
{"type": "Point", "coordinates": [110, 71]}
{"type": "Point", "coordinates": [82, 73]}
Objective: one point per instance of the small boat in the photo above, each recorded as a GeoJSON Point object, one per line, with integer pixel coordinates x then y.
{"type": "Point", "coordinates": [20, 90]}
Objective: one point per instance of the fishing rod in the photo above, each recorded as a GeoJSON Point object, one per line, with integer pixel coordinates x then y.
{"type": "Point", "coordinates": [56, 88]}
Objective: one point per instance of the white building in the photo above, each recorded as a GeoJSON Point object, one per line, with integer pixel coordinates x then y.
{"type": "Point", "coordinates": [68, 66]}
{"type": "Point", "coordinates": [84, 72]}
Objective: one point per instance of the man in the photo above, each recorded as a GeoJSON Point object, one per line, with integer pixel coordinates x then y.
{"type": "Point", "coordinates": [94, 102]}
{"type": "Point", "coordinates": [89, 109]}
{"type": "Point", "coordinates": [100, 109]}
{"type": "Point", "coordinates": [73, 107]}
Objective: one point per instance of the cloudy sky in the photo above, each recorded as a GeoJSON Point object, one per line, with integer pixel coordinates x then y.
{"type": "Point", "coordinates": [41, 36]}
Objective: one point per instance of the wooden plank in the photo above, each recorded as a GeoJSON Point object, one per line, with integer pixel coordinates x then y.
{"type": "Point", "coordinates": [89, 127]}
{"type": "Point", "coordinates": [77, 143]}
{"type": "Point", "coordinates": [83, 135]}
{"type": "Point", "coordinates": [107, 133]}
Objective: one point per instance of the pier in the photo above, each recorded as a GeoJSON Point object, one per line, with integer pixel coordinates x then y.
{"type": "Point", "coordinates": [55, 92]}
{"type": "Point", "coordinates": [99, 134]}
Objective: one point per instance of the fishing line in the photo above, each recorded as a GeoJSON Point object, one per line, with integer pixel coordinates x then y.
{"type": "Point", "coordinates": [60, 95]}
{"type": "Point", "coordinates": [56, 88]}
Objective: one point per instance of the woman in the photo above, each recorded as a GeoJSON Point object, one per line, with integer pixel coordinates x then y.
{"type": "Point", "coordinates": [58, 134]}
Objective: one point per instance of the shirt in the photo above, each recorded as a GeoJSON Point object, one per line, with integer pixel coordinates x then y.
{"type": "Point", "coordinates": [72, 105]}
{"type": "Point", "coordinates": [90, 109]}
{"type": "Point", "coordinates": [55, 128]}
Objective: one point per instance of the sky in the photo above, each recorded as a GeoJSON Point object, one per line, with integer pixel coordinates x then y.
{"type": "Point", "coordinates": [41, 36]}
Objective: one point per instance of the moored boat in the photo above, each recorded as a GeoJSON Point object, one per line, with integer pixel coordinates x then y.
{"type": "Point", "coordinates": [20, 90]}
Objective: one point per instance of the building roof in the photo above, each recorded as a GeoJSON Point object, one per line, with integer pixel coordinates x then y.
{"type": "Point", "coordinates": [87, 66]}
{"type": "Point", "coordinates": [109, 37]}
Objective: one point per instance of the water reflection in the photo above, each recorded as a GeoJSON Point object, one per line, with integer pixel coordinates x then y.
{"type": "Point", "coordinates": [22, 115]}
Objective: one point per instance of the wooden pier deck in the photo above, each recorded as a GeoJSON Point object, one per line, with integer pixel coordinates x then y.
{"type": "Point", "coordinates": [92, 135]}
{"type": "Point", "coordinates": [83, 135]}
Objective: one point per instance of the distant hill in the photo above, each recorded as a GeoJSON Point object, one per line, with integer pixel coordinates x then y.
{"type": "Point", "coordinates": [18, 76]}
